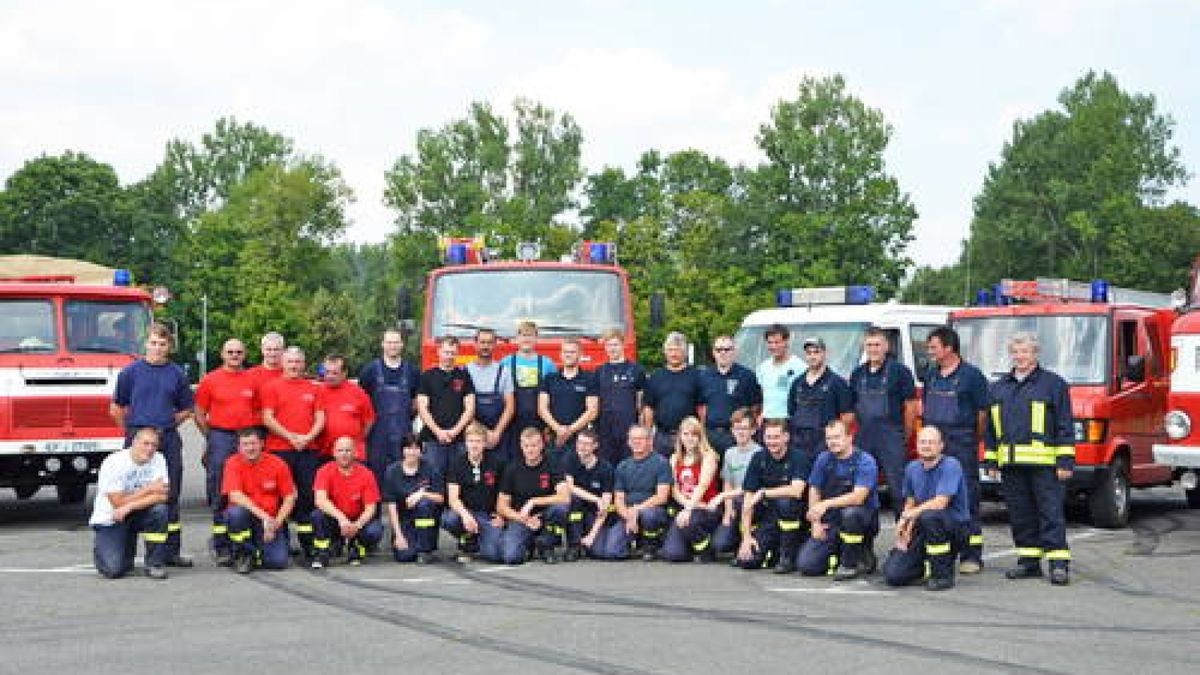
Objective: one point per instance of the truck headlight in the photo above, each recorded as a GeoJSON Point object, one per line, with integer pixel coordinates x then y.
{"type": "Point", "coordinates": [1178, 425]}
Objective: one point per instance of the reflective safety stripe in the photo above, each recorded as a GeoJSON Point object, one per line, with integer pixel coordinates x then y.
{"type": "Point", "coordinates": [155, 537]}
{"type": "Point", "coordinates": [789, 525]}
{"type": "Point", "coordinates": [174, 527]}
{"type": "Point", "coordinates": [1029, 552]}
{"type": "Point", "coordinates": [220, 529]}
{"type": "Point", "coordinates": [1036, 454]}
{"type": "Point", "coordinates": [239, 537]}
{"type": "Point", "coordinates": [702, 544]}
{"type": "Point", "coordinates": [848, 538]}
{"type": "Point", "coordinates": [990, 454]}
{"type": "Point", "coordinates": [975, 540]}
{"type": "Point", "coordinates": [1037, 419]}
{"type": "Point", "coordinates": [612, 508]}
{"type": "Point", "coordinates": [1064, 450]}
{"type": "Point", "coordinates": [425, 523]}
{"type": "Point", "coordinates": [927, 572]}
{"type": "Point", "coordinates": [321, 543]}
{"type": "Point", "coordinates": [304, 528]}
{"type": "Point", "coordinates": [937, 549]}
{"type": "Point", "coordinates": [996, 426]}
{"type": "Point", "coordinates": [833, 563]}
{"type": "Point", "coordinates": [653, 534]}
{"type": "Point", "coordinates": [575, 517]}
{"type": "Point", "coordinates": [1058, 554]}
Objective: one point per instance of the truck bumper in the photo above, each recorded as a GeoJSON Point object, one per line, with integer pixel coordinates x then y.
{"type": "Point", "coordinates": [1177, 455]}
{"type": "Point", "coordinates": [28, 470]}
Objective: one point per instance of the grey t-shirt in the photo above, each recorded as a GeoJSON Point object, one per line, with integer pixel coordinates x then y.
{"type": "Point", "coordinates": [484, 378]}
{"type": "Point", "coordinates": [737, 460]}
{"type": "Point", "coordinates": [639, 479]}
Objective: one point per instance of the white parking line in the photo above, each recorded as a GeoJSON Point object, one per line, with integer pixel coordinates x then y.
{"type": "Point", "coordinates": [70, 569]}
{"type": "Point", "coordinates": [832, 590]}
{"type": "Point", "coordinates": [1010, 552]}
{"type": "Point", "coordinates": [497, 568]}
{"type": "Point", "coordinates": [417, 580]}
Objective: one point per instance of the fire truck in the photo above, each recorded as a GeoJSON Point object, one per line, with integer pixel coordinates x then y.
{"type": "Point", "coordinates": [1111, 346]}
{"type": "Point", "coordinates": [581, 295]}
{"type": "Point", "coordinates": [1181, 449]}
{"type": "Point", "coordinates": [62, 344]}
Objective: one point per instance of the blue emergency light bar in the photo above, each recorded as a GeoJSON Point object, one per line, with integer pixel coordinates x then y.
{"type": "Point", "coordinates": [598, 252]}
{"type": "Point", "coordinates": [826, 295]}
{"type": "Point", "coordinates": [122, 278]}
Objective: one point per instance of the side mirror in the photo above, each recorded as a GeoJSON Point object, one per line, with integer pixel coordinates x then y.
{"type": "Point", "coordinates": [1135, 368]}
{"type": "Point", "coordinates": [658, 309]}
{"type": "Point", "coordinates": [404, 304]}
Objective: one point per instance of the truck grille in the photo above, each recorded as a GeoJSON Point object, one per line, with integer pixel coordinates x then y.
{"type": "Point", "coordinates": [54, 413]}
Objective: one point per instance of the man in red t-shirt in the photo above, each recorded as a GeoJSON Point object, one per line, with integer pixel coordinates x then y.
{"type": "Point", "coordinates": [348, 410]}
{"type": "Point", "coordinates": [347, 500]}
{"type": "Point", "coordinates": [293, 411]}
{"type": "Point", "coordinates": [225, 403]}
{"type": "Point", "coordinates": [271, 345]}
{"type": "Point", "coordinates": [261, 496]}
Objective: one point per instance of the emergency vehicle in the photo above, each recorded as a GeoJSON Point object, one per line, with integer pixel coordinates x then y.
{"type": "Point", "coordinates": [1111, 346]}
{"type": "Point", "coordinates": [582, 295]}
{"type": "Point", "coordinates": [62, 344]}
{"type": "Point", "coordinates": [840, 315]}
{"type": "Point", "coordinates": [1182, 447]}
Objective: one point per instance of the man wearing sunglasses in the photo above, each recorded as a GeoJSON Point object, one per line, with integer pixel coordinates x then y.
{"type": "Point", "coordinates": [727, 386]}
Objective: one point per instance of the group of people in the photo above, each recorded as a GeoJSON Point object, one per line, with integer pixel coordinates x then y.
{"type": "Point", "coordinates": [518, 458]}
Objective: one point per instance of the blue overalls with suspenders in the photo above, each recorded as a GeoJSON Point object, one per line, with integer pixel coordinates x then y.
{"type": "Point", "coordinates": [489, 407]}
{"type": "Point", "coordinates": [393, 418]}
{"type": "Point", "coordinates": [942, 407]}
{"type": "Point", "coordinates": [878, 432]}
{"type": "Point", "coordinates": [851, 530]}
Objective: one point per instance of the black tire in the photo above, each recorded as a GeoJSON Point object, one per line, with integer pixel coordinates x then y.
{"type": "Point", "coordinates": [26, 491]}
{"type": "Point", "coordinates": [1109, 501]}
{"type": "Point", "coordinates": [1193, 497]}
{"type": "Point", "coordinates": [72, 493]}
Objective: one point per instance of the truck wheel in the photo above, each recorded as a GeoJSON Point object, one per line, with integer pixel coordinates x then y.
{"type": "Point", "coordinates": [71, 494]}
{"type": "Point", "coordinates": [26, 491]}
{"type": "Point", "coordinates": [1193, 497]}
{"type": "Point", "coordinates": [1109, 502]}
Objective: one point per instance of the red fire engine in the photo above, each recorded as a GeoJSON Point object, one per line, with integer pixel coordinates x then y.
{"type": "Point", "coordinates": [582, 295]}
{"type": "Point", "coordinates": [62, 344]}
{"type": "Point", "coordinates": [1111, 346]}
{"type": "Point", "coordinates": [1182, 447]}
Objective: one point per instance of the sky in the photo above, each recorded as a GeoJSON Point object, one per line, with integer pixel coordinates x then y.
{"type": "Point", "coordinates": [354, 80]}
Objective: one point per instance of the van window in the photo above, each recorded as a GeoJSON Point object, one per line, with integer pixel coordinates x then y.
{"type": "Point", "coordinates": [918, 338]}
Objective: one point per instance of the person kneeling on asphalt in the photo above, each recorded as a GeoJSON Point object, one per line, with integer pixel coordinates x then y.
{"type": "Point", "coordinates": [347, 499]}
{"type": "Point", "coordinates": [471, 489]}
{"type": "Point", "coordinates": [773, 508]}
{"type": "Point", "coordinates": [261, 494]}
{"type": "Point", "coordinates": [843, 509]}
{"type": "Point", "coordinates": [529, 489]}
{"type": "Point", "coordinates": [131, 497]}
{"type": "Point", "coordinates": [413, 494]}
{"type": "Point", "coordinates": [936, 519]}
{"type": "Point", "coordinates": [728, 536]}
{"type": "Point", "coordinates": [641, 489]}
{"type": "Point", "coordinates": [591, 481]}
{"type": "Point", "coordinates": [694, 465]}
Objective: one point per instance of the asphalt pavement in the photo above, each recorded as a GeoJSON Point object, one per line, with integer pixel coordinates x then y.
{"type": "Point", "coordinates": [1133, 606]}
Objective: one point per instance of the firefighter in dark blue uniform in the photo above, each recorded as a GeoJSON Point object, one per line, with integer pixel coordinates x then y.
{"type": "Point", "coordinates": [955, 401]}
{"type": "Point", "coordinates": [619, 385]}
{"type": "Point", "coordinates": [727, 386]}
{"type": "Point", "coordinates": [816, 398]}
{"type": "Point", "coordinates": [391, 382]}
{"type": "Point", "coordinates": [843, 509]}
{"type": "Point", "coordinates": [673, 393]}
{"type": "Point", "coordinates": [885, 408]}
{"type": "Point", "coordinates": [495, 404]}
{"type": "Point", "coordinates": [567, 402]}
{"type": "Point", "coordinates": [1031, 438]}
{"type": "Point", "coordinates": [774, 503]}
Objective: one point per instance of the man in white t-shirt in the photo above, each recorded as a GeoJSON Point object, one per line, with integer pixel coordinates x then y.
{"type": "Point", "coordinates": [131, 497]}
{"type": "Point", "coordinates": [777, 372]}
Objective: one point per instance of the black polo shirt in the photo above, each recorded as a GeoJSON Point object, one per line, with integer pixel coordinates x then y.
{"type": "Point", "coordinates": [477, 485]}
{"type": "Point", "coordinates": [673, 395]}
{"type": "Point", "coordinates": [726, 392]}
{"type": "Point", "coordinates": [568, 396]}
{"type": "Point", "coordinates": [446, 389]}
{"type": "Point", "coordinates": [522, 482]}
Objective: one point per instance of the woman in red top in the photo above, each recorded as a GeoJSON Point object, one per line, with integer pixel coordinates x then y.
{"type": "Point", "coordinates": [694, 465]}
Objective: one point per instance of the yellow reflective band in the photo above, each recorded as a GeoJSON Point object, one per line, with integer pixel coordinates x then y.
{"type": "Point", "coordinates": [1029, 552]}
{"type": "Point", "coordinates": [937, 549]}
{"type": "Point", "coordinates": [575, 517]}
{"type": "Point", "coordinates": [239, 537]}
{"type": "Point", "coordinates": [996, 421]}
{"type": "Point", "coordinates": [652, 533]}
{"type": "Point", "coordinates": [702, 544]}
{"type": "Point", "coordinates": [1058, 554]}
{"type": "Point", "coordinates": [174, 527]}
{"type": "Point", "coordinates": [1037, 421]}
{"type": "Point", "coordinates": [1036, 454]}
{"type": "Point", "coordinates": [304, 528]}
{"type": "Point", "coordinates": [928, 571]}
{"type": "Point", "coordinates": [155, 537]}
{"type": "Point", "coordinates": [789, 525]}
{"type": "Point", "coordinates": [220, 529]}
{"type": "Point", "coordinates": [975, 540]}
{"type": "Point", "coordinates": [848, 538]}
{"type": "Point", "coordinates": [612, 508]}
{"type": "Point", "coordinates": [425, 523]}
{"type": "Point", "coordinates": [1064, 450]}
{"type": "Point", "coordinates": [833, 562]}
{"type": "Point", "coordinates": [321, 543]}
{"type": "Point", "coordinates": [989, 455]}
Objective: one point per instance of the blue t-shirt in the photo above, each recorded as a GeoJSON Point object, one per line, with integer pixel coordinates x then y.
{"type": "Point", "coordinates": [945, 479]}
{"type": "Point", "coordinates": [857, 470]}
{"type": "Point", "coordinates": [894, 378]}
{"type": "Point", "coordinates": [971, 389]}
{"type": "Point", "coordinates": [525, 371]}
{"type": "Point", "coordinates": [724, 393]}
{"type": "Point", "coordinates": [639, 479]}
{"type": "Point", "coordinates": [673, 395]}
{"type": "Point", "coordinates": [152, 394]}
{"type": "Point", "coordinates": [568, 397]}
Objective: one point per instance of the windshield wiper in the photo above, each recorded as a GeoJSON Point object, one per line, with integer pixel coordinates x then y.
{"type": "Point", "coordinates": [97, 349]}
{"type": "Point", "coordinates": [552, 328]}
{"type": "Point", "coordinates": [27, 350]}
{"type": "Point", "coordinates": [467, 326]}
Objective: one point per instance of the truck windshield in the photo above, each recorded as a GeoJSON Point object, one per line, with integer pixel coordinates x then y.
{"type": "Point", "coordinates": [561, 302]}
{"type": "Point", "coordinates": [106, 326]}
{"type": "Point", "coordinates": [27, 325]}
{"type": "Point", "coordinates": [843, 344]}
{"type": "Point", "coordinates": [1076, 347]}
